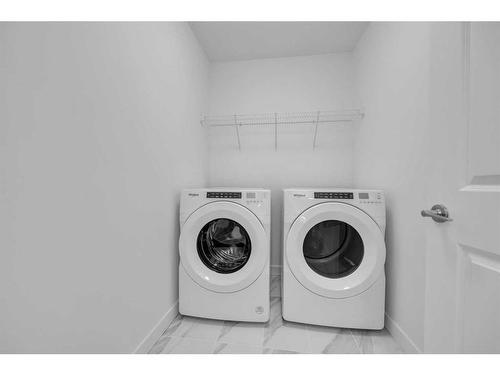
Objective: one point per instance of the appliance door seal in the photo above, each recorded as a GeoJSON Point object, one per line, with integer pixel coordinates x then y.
{"type": "Point", "coordinates": [368, 268]}
{"type": "Point", "coordinates": [198, 270]}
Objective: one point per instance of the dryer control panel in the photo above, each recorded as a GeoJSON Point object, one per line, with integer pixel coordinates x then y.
{"type": "Point", "coordinates": [297, 200]}
{"type": "Point", "coordinates": [333, 195]}
{"type": "Point", "coordinates": [374, 197]}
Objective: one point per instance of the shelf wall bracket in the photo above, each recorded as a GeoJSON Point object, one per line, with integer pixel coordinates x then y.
{"type": "Point", "coordinates": [236, 126]}
{"type": "Point", "coordinates": [275, 131]}
{"type": "Point", "coordinates": [316, 130]}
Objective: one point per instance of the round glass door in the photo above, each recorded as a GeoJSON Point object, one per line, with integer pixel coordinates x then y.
{"type": "Point", "coordinates": [333, 249]}
{"type": "Point", "coordinates": [223, 245]}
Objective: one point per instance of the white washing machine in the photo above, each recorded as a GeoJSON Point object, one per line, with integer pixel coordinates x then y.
{"type": "Point", "coordinates": [224, 249]}
{"type": "Point", "coordinates": [333, 257]}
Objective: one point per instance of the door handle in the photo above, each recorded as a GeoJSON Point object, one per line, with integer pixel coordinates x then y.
{"type": "Point", "coordinates": [438, 212]}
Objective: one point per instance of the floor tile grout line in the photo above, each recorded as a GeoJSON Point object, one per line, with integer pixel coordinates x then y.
{"type": "Point", "coordinates": [356, 342]}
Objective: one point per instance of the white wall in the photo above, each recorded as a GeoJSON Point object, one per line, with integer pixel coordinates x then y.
{"type": "Point", "coordinates": [279, 85]}
{"type": "Point", "coordinates": [391, 153]}
{"type": "Point", "coordinates": [99, 130]}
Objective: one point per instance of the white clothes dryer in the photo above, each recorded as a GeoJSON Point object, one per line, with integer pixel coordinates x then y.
{"type": "Point", "coordinates": [333, 257]}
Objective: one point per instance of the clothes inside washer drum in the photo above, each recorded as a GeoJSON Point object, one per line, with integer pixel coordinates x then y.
{"type": "Point", "coordinates": [224, 245]}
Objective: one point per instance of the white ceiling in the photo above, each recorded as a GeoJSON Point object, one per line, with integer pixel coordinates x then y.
{"type": "Point", "coordinates": [225, 41]}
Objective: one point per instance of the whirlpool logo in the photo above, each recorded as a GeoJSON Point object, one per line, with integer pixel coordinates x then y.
{"type": "Point", "coordinates": [299, 195]}
{"type": "Point", "coordinates": [193, 194]}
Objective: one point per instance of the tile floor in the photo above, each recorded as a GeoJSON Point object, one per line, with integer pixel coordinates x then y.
{"type": "Point", "coordinates": [188, 335]}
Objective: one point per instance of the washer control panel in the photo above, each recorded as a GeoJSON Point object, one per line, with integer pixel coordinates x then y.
{"type": "Point", "coordinates": [253, 198]}
{"type": "Point", "coordinates": [224, 195]}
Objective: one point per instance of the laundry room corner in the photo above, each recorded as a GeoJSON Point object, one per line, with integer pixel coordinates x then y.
{"type": "Point", "coordinates": [392, 71]}
{"type": "Point", "coordinates": [288, 84]}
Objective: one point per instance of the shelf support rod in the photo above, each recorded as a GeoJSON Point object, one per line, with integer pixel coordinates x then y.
{"type": "Point", "coordinates": [316, 130]}
{"type": "Point", "coordinates": [275, 131]}
{"type": "Point", "coordinates": [237, 132]}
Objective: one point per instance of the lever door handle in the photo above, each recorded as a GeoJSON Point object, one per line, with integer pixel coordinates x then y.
{"type": "Point", "coordinates": [438, 213]}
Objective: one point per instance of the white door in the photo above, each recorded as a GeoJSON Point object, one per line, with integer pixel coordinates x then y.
{"type": "Point", "coordinates": [463, 256]}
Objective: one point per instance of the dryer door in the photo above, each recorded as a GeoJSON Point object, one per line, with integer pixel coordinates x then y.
{"type": "Point", "coordinates": [223, 247]}
{"type": "Point", "coordinates": [335, 250]}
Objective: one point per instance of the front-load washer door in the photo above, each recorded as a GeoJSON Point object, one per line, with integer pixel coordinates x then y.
{"type": "Point", "coordinates": [223, 247]}
{"type": "Point", "coordinates": [335, 250]}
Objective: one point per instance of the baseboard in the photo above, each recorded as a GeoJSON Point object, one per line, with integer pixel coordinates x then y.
{"type": "Point", "coordinates": [160, 327]}
{"type": "Point", "coordinates": [275, 270]}
{"type": "Point", "coordinates": [401, 336]}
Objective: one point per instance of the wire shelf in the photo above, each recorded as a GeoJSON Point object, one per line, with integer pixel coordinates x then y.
{"type": "Point", "coordinates": [284, 118]}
